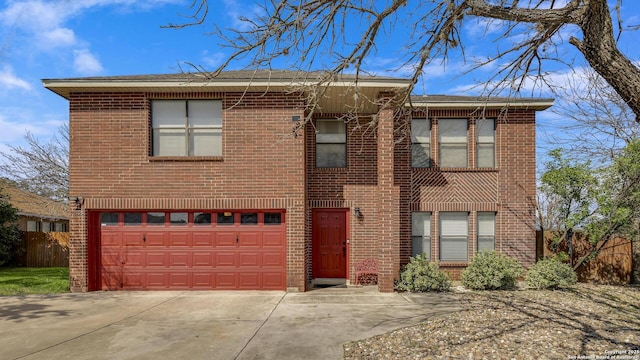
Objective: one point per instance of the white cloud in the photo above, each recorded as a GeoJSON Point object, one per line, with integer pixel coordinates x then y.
{"type": "Point", "coordinates": [9, 80]}
{"type": "Point", "coordinates": [59, 37]}
{"type": "Point", "coordinates": [86, 63]}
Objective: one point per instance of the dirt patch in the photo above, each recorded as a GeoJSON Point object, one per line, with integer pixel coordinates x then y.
{"type": "Point", "coordinates": [587, 320]}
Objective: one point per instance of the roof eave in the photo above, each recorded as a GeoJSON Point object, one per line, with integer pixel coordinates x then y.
{"type": "Point", "coordinates": [534, 104]}
{"type": "Point", "coordinates": [64, 87]}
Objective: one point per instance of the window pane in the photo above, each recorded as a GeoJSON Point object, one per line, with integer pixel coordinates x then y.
{"type": "Point", "coordinates": [452, 130]}
{"type": "Point", "coordinates": [205, 142]}
{"type": "Point", "coordinates": [420, 155]}
{"type": "Point", "coordinates": [454, 230]}
{"type": "Point", "coordinates": [205, 113]}
{"type": "Point", "coordinates": [486, 230]}
{"type": "Point", "coordinates": [453, 155]}
{"type": "Point", "coordinates": [155, 218]}
{"type": "Point", "coordinates": [32, 226]}
{"type": "Point", "coordinates": [168, 113]}
{"type": "Point", "coordinates": [421, 233]}
{"type": "Point", "coordinates": [453, 249]}
{"type": "Point", "coordinates": [331, 155]}
{"type": "Point", "coordinates": [132, 218]}
{"type": "Point", "coordinates": [109, 219]}
{"type": "Point", "coordinates": [485, 129]}
{"type": "Point", "coordinates": [486, 156]}
{"type": "Point", "coordinates": [249, 218]}
{"type": "Point", "coordinates": [420, 131]}
{"type": "Point", "coordinates": [169, 142]}
{"type": "Point", "coordinates": [225, 218]}
{"type": "Point", "coordinates": [202, 218]}
{"type": "Point", "coordinates": [272, 218]}
{"type": "Point", "coordinates": [181, 218]}
{"type": "Point", "coordinates": [331, 131]}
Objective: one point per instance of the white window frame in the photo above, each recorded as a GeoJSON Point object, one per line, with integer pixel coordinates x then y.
{"type": "Point", "coordinates": [421, 234]}
{"type": "Point", "coordinates": [485, 141]}
{"type": "Point", "coordinates": [486, 231]}
{"type": "Point", "coordinates": [165, 110]}
{"type": "Point", "coordinates": [325, 138]}
{"type": "Point", "coordinates": [420, 143]}
{"type": "Point", "coordinates": [445, 139]}
{"type": "Point", "coordinates": [454, 236]}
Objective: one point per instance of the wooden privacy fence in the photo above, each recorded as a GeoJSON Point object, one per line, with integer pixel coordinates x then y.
{"type": "Point", "coordinates": [44, 249]}
{"type": "Point", "coordinates": [613, 265]}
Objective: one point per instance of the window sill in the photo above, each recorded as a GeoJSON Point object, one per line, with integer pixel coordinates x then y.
{"type": "Point", "coordinates": [331, 169]}
{"type": "Point", "coordinates": [458, 170]}
{"type": "Point", "coordinates": [184, 158]}
{"type": "Point", "coordinates": [453, 264]}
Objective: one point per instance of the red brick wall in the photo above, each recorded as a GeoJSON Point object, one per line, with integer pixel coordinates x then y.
{"type": "Point", "coordinates": [509, 190]}
{"type": "Point", "coordinates": [261, 168]}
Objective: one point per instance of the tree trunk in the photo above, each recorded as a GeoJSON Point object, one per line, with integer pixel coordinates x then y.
{"type": "Point", "coordinates": [600, 50]}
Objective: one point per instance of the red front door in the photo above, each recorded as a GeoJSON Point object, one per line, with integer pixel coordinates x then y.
{"type": "Point", "coordinates": [329, 243]}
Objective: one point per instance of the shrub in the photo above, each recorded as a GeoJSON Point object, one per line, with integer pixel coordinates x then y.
{"type": "Point", "coordinates": [421, 275]}
{"type": "Point", "coordinates": [550, 274]}
{"type": "Point", "coordinates": [490, 270]}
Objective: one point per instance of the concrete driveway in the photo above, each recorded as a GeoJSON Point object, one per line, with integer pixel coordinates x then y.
{"type": "Point", "coordinates": [205, 325]}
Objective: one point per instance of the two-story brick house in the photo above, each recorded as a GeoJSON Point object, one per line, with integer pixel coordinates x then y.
{"type": "Point", "coordinates": [182, 182]}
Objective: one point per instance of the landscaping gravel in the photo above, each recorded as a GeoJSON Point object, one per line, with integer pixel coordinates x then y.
{"type": "Point", "coordinates": [585, 322]}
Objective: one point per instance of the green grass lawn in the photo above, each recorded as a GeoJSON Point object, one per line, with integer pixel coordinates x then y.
{"type": "Point", "coordinates": [20, 281]}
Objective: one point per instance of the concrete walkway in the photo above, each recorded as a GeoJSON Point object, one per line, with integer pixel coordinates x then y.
{"type": "Point", "coordinates": [205, 325]}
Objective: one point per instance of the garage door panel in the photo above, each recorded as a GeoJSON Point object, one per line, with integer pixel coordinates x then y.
{"type": "Point", "coordinates": [204, 280]}
{"type": "Point", "coordinates": [179, 280]}
{"type": "Point", "coordinates": [249, 280]}
{"type": "Point", "coordinates": [192, 256]}
{"type": "Point", "coordinates": [207, 239]}
{"type": "Point", "coordinates": [226, 280]}
{"type": "Point", "coordinates": [247, 258]}
{"type": "Point", "coordinates": [135, 258]}
{"type": "Point", "coordinates": [156, 258]}
{"type": "Point", "coordinates": [273, 239]}
{"type": "Point", "coordinates": [110, 258]}
{"type": "Point", "coordinates": [132, 238]}
{"type": "Point", "coordinates": [272, 258]}
{"type": "Point", "coordinates": [180, 259]}
{"type": "Point", "coordinates": [157, 280]}
{"type": "Point", "coordinates": [110, 238]}
{"type": "Point", "coordinates": [225, 258]}
{"type": "Point", "coordinates": [249, 239]}
{"type": "Point", "coordinates": [154, 239]}
{"type": "Point", "coordinates": [225, 239]}
{"type": "Point", "coordinates": [134, 279]}
{"type": "Point", "coordinates": [179, 239]}
{"type": "Point", "coordinates": [200, 259]}
{"type": "Point", "coordinates": [273, 280]}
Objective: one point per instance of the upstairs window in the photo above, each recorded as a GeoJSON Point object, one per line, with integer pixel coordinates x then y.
{"type": "Point", "coordinates": [486, 143]}
{"type": "Point", "coordinates": [331, 144]}
{"type": "Point", "coordinates": [420, 143]}
{"type": "Point", "coordinates": [453, 143]}
{"type": "Point", "coordinates": [187, 127]}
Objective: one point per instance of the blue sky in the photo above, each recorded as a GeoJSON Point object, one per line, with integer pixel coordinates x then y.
{"type": "Point", "coordinates": [75, 38]}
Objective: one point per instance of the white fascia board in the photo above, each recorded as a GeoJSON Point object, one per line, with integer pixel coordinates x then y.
{"type": "Point", "coordinates": [214, 83]}
{"type": "Point", "coordinates": [533, 104]}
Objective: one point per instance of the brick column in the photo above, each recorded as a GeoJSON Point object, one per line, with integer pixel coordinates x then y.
{"type": "Point", "coordinates": [388, 199]}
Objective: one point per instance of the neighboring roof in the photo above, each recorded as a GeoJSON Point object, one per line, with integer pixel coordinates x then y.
{"type": "Point", "coordinates": [466, 102]}
{"type": "Point", "coordinates": [34, 205]}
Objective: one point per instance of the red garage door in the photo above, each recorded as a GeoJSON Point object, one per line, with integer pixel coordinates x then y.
{"type": "Point", "coordinates": [161, 250]}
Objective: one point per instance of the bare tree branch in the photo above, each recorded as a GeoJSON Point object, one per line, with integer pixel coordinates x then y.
{"type": "Point", "coordinates": [41, 168]}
